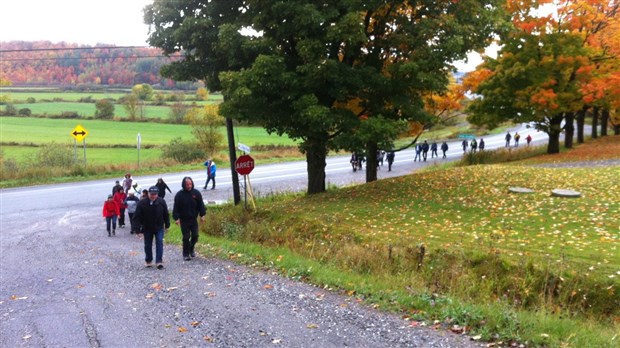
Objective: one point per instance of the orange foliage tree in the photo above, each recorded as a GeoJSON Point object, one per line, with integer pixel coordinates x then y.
{"type": "Point", "coordinates": [550, 66]}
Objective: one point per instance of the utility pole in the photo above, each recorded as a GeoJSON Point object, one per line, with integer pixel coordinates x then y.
{"type": "Point", "coordinates": [232, 151]}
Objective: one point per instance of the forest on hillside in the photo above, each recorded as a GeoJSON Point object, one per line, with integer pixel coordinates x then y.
{"type": "Point", "coordinates": [43, 63]}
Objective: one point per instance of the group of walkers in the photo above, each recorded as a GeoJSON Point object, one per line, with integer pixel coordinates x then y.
{"type": "Point", "coordinates": [473, 145]}
{"type": "Point", "coordinates": [358, 159]}
{"type": "Point", "coordinates": [421, 150]}
{"type": "Point", "coordinates": [516, 139]}
{"type": "Point", "coordinates": [149, 214]}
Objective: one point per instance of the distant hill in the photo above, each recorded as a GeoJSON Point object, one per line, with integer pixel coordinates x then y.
{"type": "Point", "coordinates": [42, 63]}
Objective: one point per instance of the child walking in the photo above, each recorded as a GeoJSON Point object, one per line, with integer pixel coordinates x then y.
{"type": "Point", "coordinates": [111, 212]}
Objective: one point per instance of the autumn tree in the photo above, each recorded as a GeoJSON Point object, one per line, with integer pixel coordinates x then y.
{"type": "Point", "coordinates": [206, 123]}
{"type": "Point", "coordinates": [337, 75]}
{"type": "Point", "coordinates": [536, 77]}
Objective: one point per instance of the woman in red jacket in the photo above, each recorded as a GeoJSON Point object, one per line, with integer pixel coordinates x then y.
{"type": "Point", "coordinates": [119, 198]}
{"type": "Point", "coordinates": [110, 213]}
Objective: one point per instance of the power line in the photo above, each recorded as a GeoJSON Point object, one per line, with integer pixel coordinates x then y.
{"type": "Point", "coordinates": [71, 48]}
{"type": "Point", "coordinates": [84, 58]}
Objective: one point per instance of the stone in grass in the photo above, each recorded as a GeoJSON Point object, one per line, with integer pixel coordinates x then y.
{"type": "Point", "coordinates": [565, 193]}
{"type": "Point", "coordinates": [520, 190]}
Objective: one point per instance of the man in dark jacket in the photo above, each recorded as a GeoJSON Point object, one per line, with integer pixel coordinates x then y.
{"type": "Point", "coordinates": [188, 204]}
{"type": "Point", "coordinates": [152, 216]}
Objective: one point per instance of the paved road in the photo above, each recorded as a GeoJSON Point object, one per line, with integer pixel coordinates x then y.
{"type": "Point", "coordinates": [64, 283]}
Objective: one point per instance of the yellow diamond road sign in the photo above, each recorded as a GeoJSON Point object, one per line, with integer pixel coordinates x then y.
{"type": "Point", "coordinates": [79, 133]}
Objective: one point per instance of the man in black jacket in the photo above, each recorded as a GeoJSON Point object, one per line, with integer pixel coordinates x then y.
{"type": "Point", "coordinates": [188, 204]}
{"type": "Point", "coordinates": [152, 215]}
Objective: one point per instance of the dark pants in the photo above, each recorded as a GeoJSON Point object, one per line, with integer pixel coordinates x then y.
{"type": "Point", "coordinates": [121, 218]}
{"type": "Point", "coordinates": [131, 225]}
{"type": "Point", "coordinates": [209, 180]}
{"type": "Point", "coordinates": [159, 245]}
{"type": "Point", "coordinates": [110, 220]}
{"type": "Point", "coordinates": [189, 230]}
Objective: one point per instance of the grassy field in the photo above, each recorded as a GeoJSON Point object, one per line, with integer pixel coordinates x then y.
{"type": "Point", "coordinates": [43, 130]}
{"type": "Point", "coordinates": [452, 248]}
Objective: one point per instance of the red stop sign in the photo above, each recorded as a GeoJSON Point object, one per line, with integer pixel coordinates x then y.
{"type": "Point", "coordinates": [244, 164]}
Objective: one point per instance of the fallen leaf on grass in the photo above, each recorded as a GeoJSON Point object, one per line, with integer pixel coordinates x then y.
{"type": "Point", "coordinates": [149, 295]}
{"type": "Point", "coordinates": [18, 298]}
{"type": "Point", "coordinates": [194, 323]}
{"type": "Point", "coordinates": [172, 288]}
{"type": "Point", "coordinates": [208, 339]}
{"type": "Point", "coordinates": [268, 286]}
{"type": "Point", "coordinates": [312, 326]}
{"type": "Point", "coordinates": [181, 329]}
{"type": "Point", "coordinates": [156, 286]}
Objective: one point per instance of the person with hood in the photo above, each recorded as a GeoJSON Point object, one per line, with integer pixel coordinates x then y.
{"type": "Point", "coordinates": [444, 148]}
{"type": "Point", "coordinates": [110, 213]}
{"type": "Point", "coordinates": [211, 169]}
{"type": "Point", "coordinates": [153, 219]}
{"type": "Point", "coordinates": [188, 205]}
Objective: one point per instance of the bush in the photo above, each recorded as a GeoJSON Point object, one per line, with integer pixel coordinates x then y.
{"type": "Point", "coordinates": [105, 109]}
{"type": "Point", "coordinates": [31, 100]}
{"type": "Point", "coordinates": [182, 151]}
{"type": "Point", "coordinates": [24, 112]}
{"type": "Point", "coordinates": [54, 155]}
{"type": "Point", "coordinates": [10, 110]}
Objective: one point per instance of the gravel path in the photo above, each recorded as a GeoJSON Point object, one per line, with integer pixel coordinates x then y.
{"type": "Point", "coordinates": [64, 283]}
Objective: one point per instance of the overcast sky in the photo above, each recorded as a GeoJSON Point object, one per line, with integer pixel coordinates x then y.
{"type": "Point", "coordinates": [88, 22]}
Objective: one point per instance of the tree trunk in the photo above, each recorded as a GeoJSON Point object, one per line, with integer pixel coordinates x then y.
{"type": "Point", "coordinates": [581, 118]}
{"type": "Point", "coordinates": [555, 128]}
{"type": "Point", "coordinates": [595, 114]}
{"type": "Point", "coordinates": [371, 162]}
{"type": "Point", "coordinates": [604, 122]}
{"type": "Point", "coordinates": [316, 153]}
{"type": "Point", "coordinates": [569, 129]}
{"type": "Point", "coordinates": [617, 129]}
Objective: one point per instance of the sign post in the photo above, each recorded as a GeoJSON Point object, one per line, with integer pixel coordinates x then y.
{"type": "Point", "coordinates": [79, 133]}
{"type": "Point", "coordinates": [139, 142]}
{"type": "Point", "coordinates": [244, 166]}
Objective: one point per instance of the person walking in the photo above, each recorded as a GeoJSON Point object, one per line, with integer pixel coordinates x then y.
{"type": "Point", "coordinates": [390, 159]}
{"type": "Point", "coordinates": [119, 198]}
{"type": "Point", "coordinates": [127, 182]}
{"type": "Point", "coordinates": [481, 144]}
{"type": "Point", "coordinates": [162, 186]}
{"type": "Point", "coordinates": [508, 137]}
{"type": "Point", "coordinates": [464, 145]}
{"type": "Point", "coordinates": [188, 205]}
{"type": "Point", "coordinates": [474, 145]}
{"type": "Point", "coordinates": [117, 186]}
{"type": "Point", "coordinates": [211, 169]}
{"type": "Point", "coordinates": [444, 148]}
{"type": "Point", "coordinates": [110, 213]}
{"type": "Point", "coordinates": [528, 139]}
{"type": "Point", "coordinates": [153, 219]}
{"type": "Point", "coordinates": [516, 138]}
{"type": "Point", "coordinates": [380, 156]}
{"type": "Point", "coordinates": [418, 153]}
{"type": "Point", "coordinates": [131, 202]}
{"type": "Point", "coordinates": [434, 149]}
{"type": "Point", "coordinates": [425, 148]}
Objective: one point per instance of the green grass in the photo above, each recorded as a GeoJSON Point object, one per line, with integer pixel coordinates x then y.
{"type": "Point", "coordinates": [531, 269]}
{"type": "Point", "coordinates": [23, 130]}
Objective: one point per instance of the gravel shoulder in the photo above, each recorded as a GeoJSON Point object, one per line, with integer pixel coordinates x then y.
{"type": "Point", "coordinates": [64, 283]}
